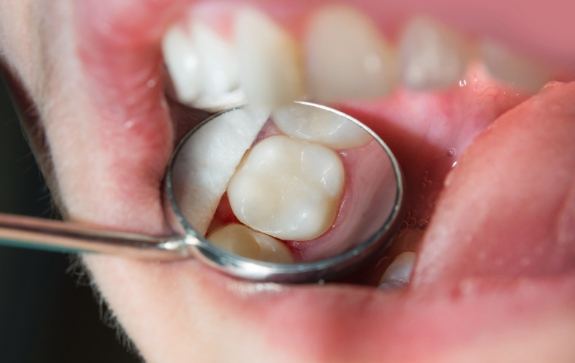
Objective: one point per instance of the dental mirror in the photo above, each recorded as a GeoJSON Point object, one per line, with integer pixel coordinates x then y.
{"type": "Point", "coordinates": [302, 194]}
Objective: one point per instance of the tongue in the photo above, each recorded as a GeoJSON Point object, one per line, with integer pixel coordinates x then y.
{"type": "Point", "coordinates": [508, 208]}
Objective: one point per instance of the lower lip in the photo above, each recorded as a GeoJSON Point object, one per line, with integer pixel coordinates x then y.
{"type": "Point", "coordinates": [338, 322]}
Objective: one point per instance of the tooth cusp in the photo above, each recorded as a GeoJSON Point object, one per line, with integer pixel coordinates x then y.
{"type": "Point", "coordinates": [288, 188]}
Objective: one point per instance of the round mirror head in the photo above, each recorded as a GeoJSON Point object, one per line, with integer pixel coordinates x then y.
{"type": "Point", "coordinates": [295, 195]}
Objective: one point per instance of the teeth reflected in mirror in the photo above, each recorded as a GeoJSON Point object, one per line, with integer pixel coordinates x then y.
{"type": "Point", "coordinates": [316, 125]}
{"type": "Point", "coordinates": [208, 159]}
{"type": "Point", "coordinates": [306, 184]}
{"type": "Point", "coordinates": [287, 188]}
{"type": "Point", "coordinates": [245, 242]}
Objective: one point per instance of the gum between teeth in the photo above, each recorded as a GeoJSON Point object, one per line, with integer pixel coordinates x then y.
{"type": "Point", "coordinates": [342, 56]}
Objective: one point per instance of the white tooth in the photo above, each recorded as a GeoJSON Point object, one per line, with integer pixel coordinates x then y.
{"type": "Point", "coordinates": [398, 273]}
{"type": "Point", "coordinates": [245, 242]}
{"type": "Point", "coordinates": [182, 61]}
{"type": "Point", "coordinates": [288, 188]}
{"type": "Point", "coordinates": [431, 55]}
{"type": "Point", "coordinates": [270, 73]}
{"type": "Point", "coordinates": [208, 160]}
{"type": "Point", "coordinates": [346, 57]}
{"type": "Point", "coordinates": [514, 69]}
{"type": "Point", "coordinates": [314, 124]}
{"type": "Point", "coordinates": [218, 69]}
{"type": "Point", "coordinates": [220, 102]}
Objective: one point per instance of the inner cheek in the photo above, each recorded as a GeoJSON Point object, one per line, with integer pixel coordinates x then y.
{"type": "Point", "coordinates": [120, 185]}
{"type": "Point", "coordinates": [122, 139]}
{"type": "Point", "coordinates": [429, 131]}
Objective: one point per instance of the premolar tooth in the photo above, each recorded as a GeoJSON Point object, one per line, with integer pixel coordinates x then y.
{"type": "Point", "coordinates": [245, 242]}
{"type": "Point", "coordinates": [218, 70]}
{"type": "Point", "coordinates": [270, 71]}
{"type": "Point", "coordinates": [218, 64]}
{"type": "Point", "coordinates": [514, 69]}
{"type": "Point", "coordinates": [399, 271]}
{"type": "Point", "coordinates": [182, 61]}
{"type": "Point", "coordinates": [431, 55]}
{"type": "Point", "coordinates": [288, 188]}
{"type": "Point", "coordinates": [346, 57]}
{"type": "Point", "coordinates": [314, 124]}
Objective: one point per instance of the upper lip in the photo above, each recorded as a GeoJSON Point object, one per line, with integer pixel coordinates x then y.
{"type": "Point", "coordinates": [132, 34]}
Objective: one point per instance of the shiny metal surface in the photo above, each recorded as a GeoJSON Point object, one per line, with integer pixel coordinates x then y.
{"type": "Point", "coordinates": [78, 238]}
{"type": "Point", "coordinates": [324, 269]}
{"type": "Point", "coordinates": [59, 236]}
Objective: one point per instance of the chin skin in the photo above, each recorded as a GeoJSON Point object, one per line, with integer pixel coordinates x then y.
{"type": "Point", "coordinates": [109, 152]}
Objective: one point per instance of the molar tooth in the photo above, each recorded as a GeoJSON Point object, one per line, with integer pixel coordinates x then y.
{"type": "Point", "coordinates": [270, 72]}
{"type": "Point", "coordinates": [245, 242]}
{"type": "Point", "coordinates": [316, 125]}
{"type": "Point", "coordinates": [431, 55]}
{"type": "Point", "coordinates": [182, 61]}
{"type": "Point", "coordinates": [346, 57]}
{"type": "Point", "coordinates": [399, 271]}
{"type": "Point", "coordinates": [514, 69]}
{"type": "Point", "coordinates": [288, 188]}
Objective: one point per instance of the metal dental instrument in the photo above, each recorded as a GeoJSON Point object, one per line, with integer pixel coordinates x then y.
{"type": "Point", "coordinates": [370, 236]}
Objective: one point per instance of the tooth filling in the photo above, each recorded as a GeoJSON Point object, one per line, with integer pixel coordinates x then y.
{"type": "Point", "coordinates": [366, 204]}
{"type": "Point", "coordinates": [308, 209]}
{"type": "Point", "coordinates": [288, 188]}
{"type": "Point", "coordinates": [240, 170]}
{"type": "Point", "coordinates": [351, 204]}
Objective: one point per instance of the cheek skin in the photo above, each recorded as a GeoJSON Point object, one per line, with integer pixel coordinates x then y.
{"type": "Point", "coordinates": [109, 165]}
{"type": "Point", "coordinates": [174, 312]}
{"type": "Point", "coordinates": [110, 174]}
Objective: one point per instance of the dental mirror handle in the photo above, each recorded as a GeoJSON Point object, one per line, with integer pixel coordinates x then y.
{"type": "Point", "coordinates": [51, 235]}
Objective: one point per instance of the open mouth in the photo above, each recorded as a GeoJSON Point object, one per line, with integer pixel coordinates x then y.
{"type": "Point", "coordinates": [482, 130]}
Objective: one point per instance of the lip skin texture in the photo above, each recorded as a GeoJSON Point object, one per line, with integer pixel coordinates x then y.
{"type": "Point", "coordinates": [109, 113]}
